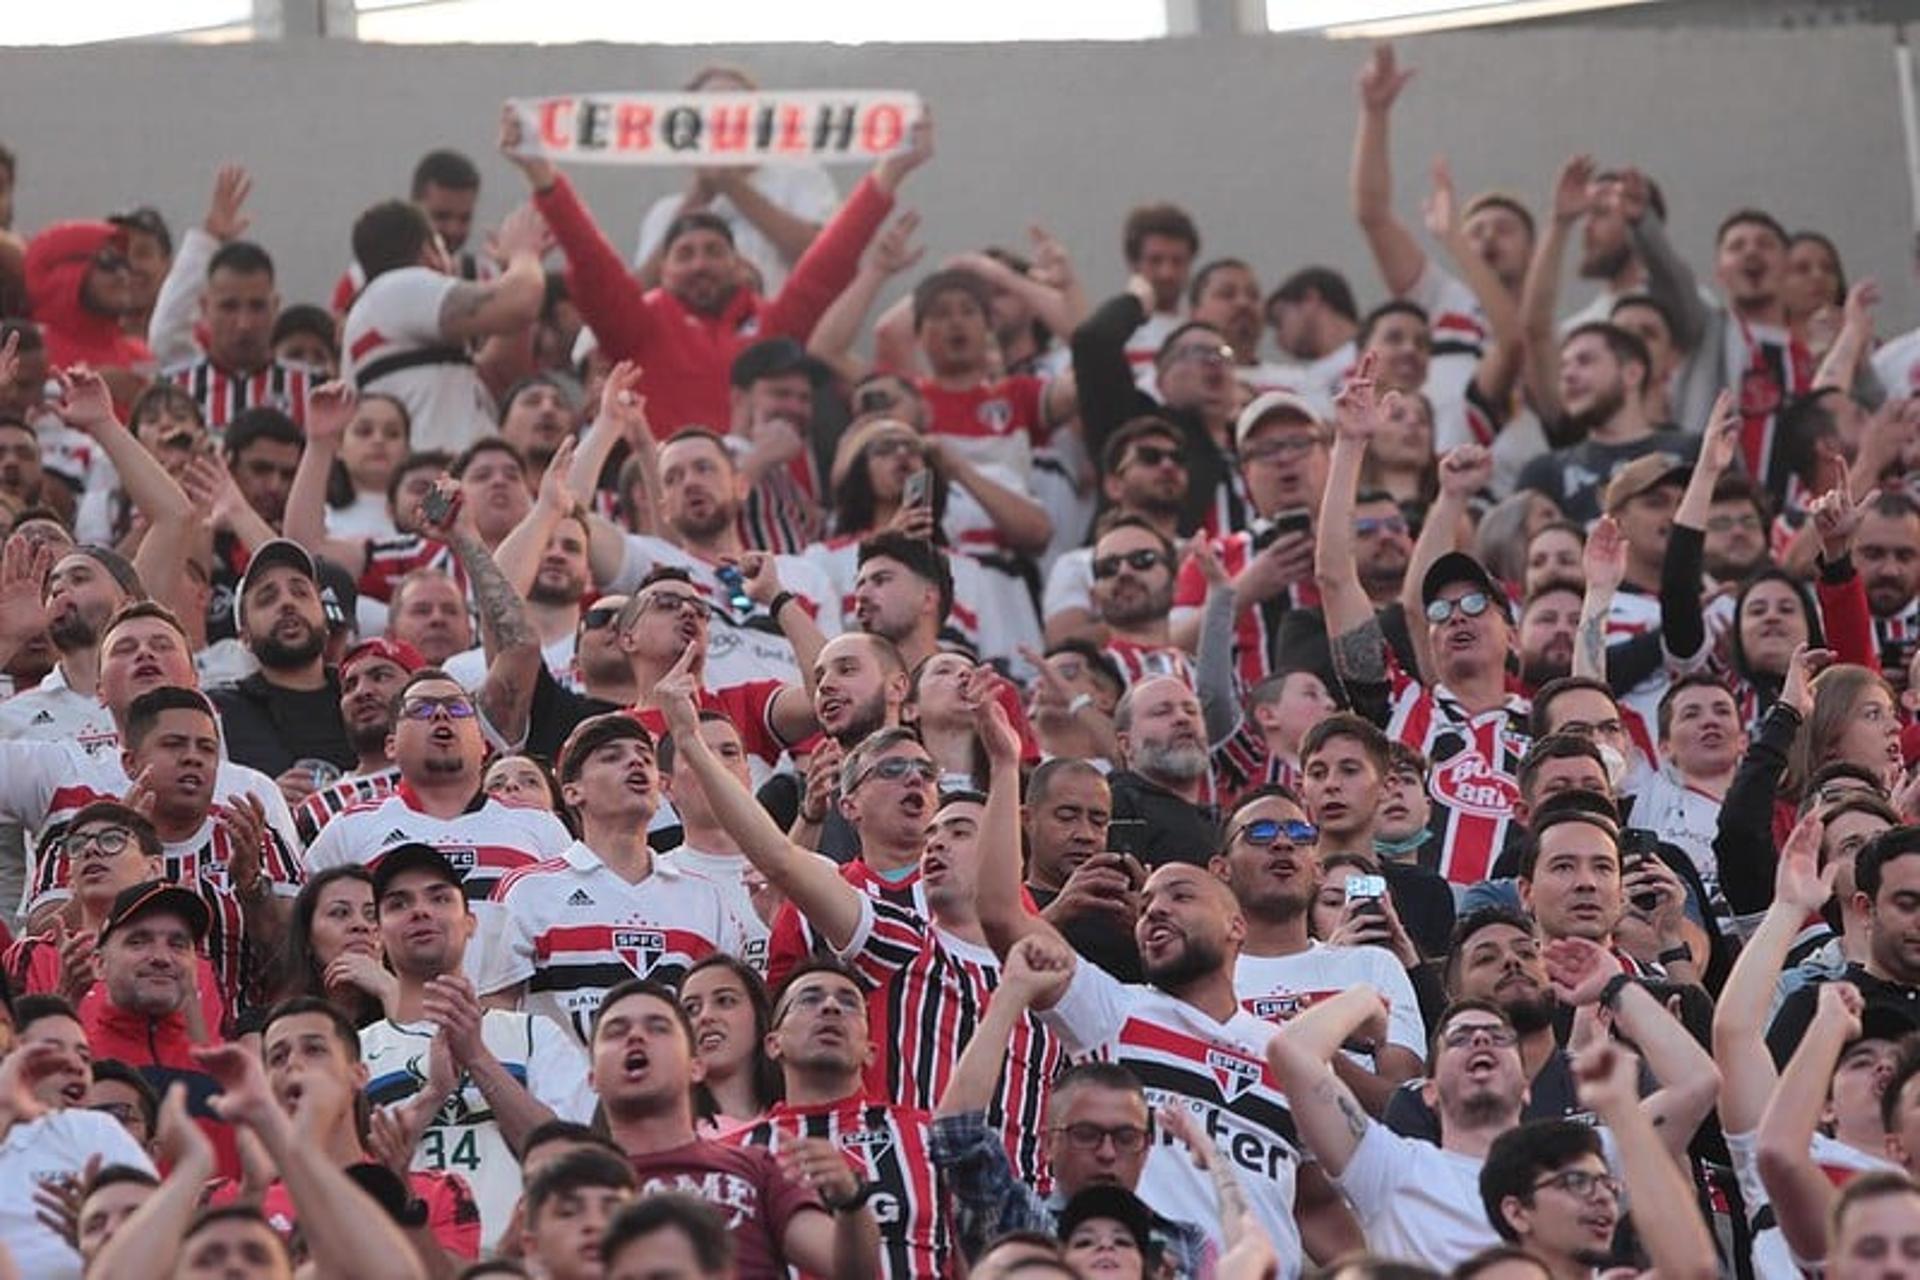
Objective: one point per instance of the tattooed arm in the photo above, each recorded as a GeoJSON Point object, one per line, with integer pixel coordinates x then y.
{"type": "Point", "coordinates": [473, 310]}
{"type": "Point", "coordinates": [1330, 1119]}
{"type": "Point", "coordinates": [512, 645]}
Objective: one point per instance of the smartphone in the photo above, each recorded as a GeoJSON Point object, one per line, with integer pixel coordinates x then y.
{"type": "Point", "coordinates": [1367, 891]}
{"type": "Point", "coordinates": [1127, 835]}
{"type": "Point", "coordinates": [735, 583]}
{"type": "Point", "coordinates": [1293, 520]}
{"type": "Point", "coordinates": [1636, 847]}
{"type": "Point", "coordinates": [438, 507]}
{"type": "Point", "coordinates": [918, 491]}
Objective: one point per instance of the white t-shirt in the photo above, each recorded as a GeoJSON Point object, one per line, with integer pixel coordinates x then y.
{"type": "Point", "coordinates": [1218, 1072]}
{"type": "Point", "coordinates": [400, 312]}
{"type": "Point", "coordinates": [805, 191]}
{"type": "Point", "coordinates": [463, 1137]}
{"type": "Point", "coordinates": [53, 712]}
{"type": "Point", "coordinates": [1458, 330]}
{"type": "Point", "coordinates": [1687, 819]}
{"type": "Point", "coordinates": [1772, 1259]}
{"type": "Point", "coordinates": [57, 1145]}
{"type": "Point", "coordinates": [367, 516]}
{"type": "Point", "coordinates": [728, 872]}
{"type": "Point", "coordinates": [1277, 988]}
{"type": "Point", "coordinates": [1069, 584]}
{"type": "Point", "coordinates": [469, 666]}
{"type": "Point", "coordinates": [1416, 1202]}
{"type": "Point", "coordinates": [1897, 365]}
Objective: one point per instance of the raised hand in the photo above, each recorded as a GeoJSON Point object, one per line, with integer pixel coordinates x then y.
{"type": "Point", "coordinates": [677, 694]}
{"type": "Point", "coordinates": [1720, 442]}
{"type": "Point", "coordinates": [1201, 551]}
{"type": "Point", "coordinates": [1466, 471]}
{"type": "Point", "coordinates": [819, 1166]}
{"type": "Point", "coordinates": [1604, 559]}
{"type": "Point", "coordinates": [1841, 1005]}
{"type": "Point", "coordinates": [1632, 195]}
{"type": "Point", "coordinates": [244, 1096]}
{"type": "Point", "coordinates": [893, 170]}
{"type": "Point", "coordinates": [79, 960]}
{"type": "Point", "coordinates": [1579, 969]}
{"type": "Point", "coordinates": [1441, 211]}
{"type": "Point", "coordinates": [330, 408]}
{"type": "Point", "coordinates": [1357, 412]}
{"type": "Point", "coordinates": [1573, 190]}
{"type": "Point", "coordinates": [522, 232]}
{"type": "Point", "coordinates": [556, 492]}
{"type": "Point", "coordinates": [760, 571]}
{"type": "Point", "coordinates": [1802, 667]}
{"type": "Point", "coordinates": [244, 819]}
{"type": "Point", "coordinates": [1052, 264]}
{"type": "Point", "coordinates": [1608, 1074]}
{"type": "Point", "coordinates": [1837, 516]}
{"type": "Point", "coordinates": [622, 404]}
{"type": "Point", "coordinates": [453, 518]}
{"type": "Point", "coordinates": [85, 402]}
{"type": "Point", "coordinates": [1798, 881]}
{"type": "Point", "coordinates": [980, 693]}
{"type": "Point", "coordinates": [1050, 962]}
{"type": "Point", "coordinates": [893, 249]}
{"type": "Point", "coordinates": [449, 1003]}
{"type": "Point", "coordinates": [56, 1202]}
{"type": "Point", "coordinates": [539, 170]}
{"type": "Point", "coordinates": [1862, 298]}
{"type": "Point", "coordinates": [178, 1139]}
{"type": "Point", "coordinates": [24, 566]}
{"type": "Point", "coordinates": [823, 775]}
{"type": "Point", "coordinates": [1381, 79]}
{"type": "Point", "coordinates": [358, 971]}
{"type": "Point", "coordinates": [226, 208]}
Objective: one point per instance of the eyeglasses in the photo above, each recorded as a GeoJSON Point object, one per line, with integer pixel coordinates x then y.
{"type": "Point", "coordinates": [1087, 1136]}
{"type": "Point", "coordinates": [1749, 523]}
{"type": "Point", "coordinates": [1139, 561]}
{"type": "Point", "coordinates": [101, 843]}
{"type": "Point", "coordinates": [456, 707]}
{"type": "Point", "coordinates": [1462, 1034]}
{"type": "Point", "coordinates": [1581, 1184]}
{"type": "Point", "coordinates": [875, 400]}
{"type": "Point", "coordinates": [1148, 455]}
{"type": "Point", "coordinates": [898, 769]}
{"type": "Point", "coordinates": [814, 999]}
{"type": "Point", "coordinates": [1369, 526]}
{"type": "Point", "coordinates": [599, 616]}
{"type": "Point", "coordinates": [1267, 832]}
{"type": "Point", "coordinates": [1222, 354]}
{"type": "Point", "coordinates": [1472, 604]}
{"type": "Point", "coordinates": [673, 602]}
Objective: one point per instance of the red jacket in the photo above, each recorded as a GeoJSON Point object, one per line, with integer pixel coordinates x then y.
{"type": "Point", "coordinates": [159, 1049]}
{"type": "Point", "coordinates": [57, 263]}
{"type": "Point", "coordinates": [686, 357]}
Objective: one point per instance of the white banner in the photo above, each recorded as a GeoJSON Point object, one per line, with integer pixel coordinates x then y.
{"type": "Point", "coordinates": [813, 127]}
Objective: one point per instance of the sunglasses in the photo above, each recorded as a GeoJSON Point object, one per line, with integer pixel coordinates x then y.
{"type": "Point", "coordinates": [1148, 455]}
{"type": "Point", "coordinates": [1472, 604]}
{"type": "Point", "coordinates": [599, 616]}
{"type": "Point", "coordinates": [898, 769]}
{"type": "Point", "coordinates": [425, 708]}
{"type": "Point", "coordinates": [109, 260]}
{"type": "Point", "coordinates": [1464, 1034]}
{"type": "Point", "coordinates": [1266, 832]}
{"type": "Point", "coordinates": [1219, 355]}
{"type": "Point", "coordinates": [1368, 526]}
{"type": "Point", "coordinates": [874, 400]}
{"type": "Point", "coordinates": [1139, 561]}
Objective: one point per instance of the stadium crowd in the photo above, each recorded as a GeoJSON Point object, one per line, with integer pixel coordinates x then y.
{"type": "Point", "coordinates": [566, 763]}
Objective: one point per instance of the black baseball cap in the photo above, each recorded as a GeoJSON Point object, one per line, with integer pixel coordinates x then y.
{"type": "Point", "coordinates": [280, 551]}
{"type": "Point", "coordinates": [1458, 566]}
{"type": "Point", "coordinates": [412, 856]}
{"type": "Point", "coordinates": [774, 358]}
{"type": "Point", "coordinates": [1116, 1204]}
{"type": "Point", "coordinates": [157, 895]}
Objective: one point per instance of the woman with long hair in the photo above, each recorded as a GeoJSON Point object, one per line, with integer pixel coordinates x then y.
{"type": "Point", "coordinates": [1401, 459]}
{"type": "Point", "coordinates": [333, 946]}
{"type": "Point", "coordinates": [731, 1014]}
{"type": "Point", "coordinates": [371, 451]}
{"type": "Point", "coordinates": [1855, 719]}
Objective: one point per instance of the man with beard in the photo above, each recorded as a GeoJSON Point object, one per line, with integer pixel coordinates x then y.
{"type": "Point", "coordinates": [1158, 814]}
{"type": "Point", "coordinates": [536, 417]}
{"type": "Point", "coordinates": [371, 674]}
{"type": "Point", "coordinates": [859, 686]}
{"type": "Point", "coordinates": [1133, 568]}
{"type": "Point", "coordinates": [438, 747]}
{"type": "Point", "coordinates": [1225, 295]}
{"type": "Point", "coordinates": [1737, 528]}
{"type": "Point", "coordinates": [497, 1073]}
{"type": "Point", "coordinates": [1315, 323]}
{"type": "Point", "coordinates": [1602, 378]}
{"type": "Point", "coordinates": [903, 913]}
{"type": "Point", "coordinates": [286, 715]}
{"type": "Point", "coordinates": [1886, 551]}
{"type": "Point", "coordinates": [771, 435]}
{"type": "Point", "coordinates": [1143, 475]}
{"type": "Point", "coordinates": [606, 909]}
{"type": "Point", "coordinates": [1271, 863]}
{"type": "Point", "coordinates": [1086, 891]}
{"type": "Point", "coordinates": [1547, 623]}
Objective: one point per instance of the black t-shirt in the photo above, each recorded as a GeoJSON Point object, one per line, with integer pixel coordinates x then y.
{"type": "Point", "coordinates": [1576, 477]}
{"type": "Point", "coordinates": [1880, 995]}
{"type": "Point", "coordinates": [1110, 948]}
{"type": "Point", "coordinates": [556, 712]}
{"type": "Point", "coordinates": [269, 727]}
{"type": "Point", "coordinates": [1157, 826]}
{"type": "Point", "coordinates": [1424, 902]}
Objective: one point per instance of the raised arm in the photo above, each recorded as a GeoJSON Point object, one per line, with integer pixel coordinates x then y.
{"type": "Point", "coordinates": [1799, 1190]}
{"type": "Point", "coordinates": [791, 710]}
{"type": "Point", "coordinates": [1395, 251]}
{"type": "Point", "coordinates": [1747, 1075]}
{"type": "Point", "coordinates": [1003, 915]}
{"type": "Point", "coordinates": [1604, 562]}
{"type": "Point", "coordinates": [329, 410]}
{"type": "Point", "coordinates": [1669, 1225]}
{"type": "Point", "coordinates": [1215, 676]}
{"type": "Point", "coordinates": [170, 327]}
{"type": "Point", "coordinates": [809, 881]}
{"type": "Point", "coordinates": [1357, 415]}
{"type": "Point", "coordinates": [1330, 1119]}
{"type": "Point", "coordinates": [788, 232]}
{"type": "Point", "coordinates": [87, 406]}
{"type": "Point", "coordinates": [838, 328]}
{"type": "Point", "coordinates": [148, 1242]}
{"type": "Point", "coordinates": [1021, 521]}
{"type": "Point", "coordinates": [1540, 294]}
{"type": "Point", "coordinates": [622, 416]}
{"type": "Point", "coordinates": [511, 302]}
{"type": "Point", "coordinates": [507, 637]}
{"type": "Point", "coordinates": [1463, 473]}
{"type": "Point", "coordinates": [1101, 374]}
{"type": "Point", "coordinates": [1033, 966]}
{"type": "Point", "coordinates": [1499, 361]}
{"type": "Point", "coordinates": [1854, 342]}
{"type": "Point", "coordinates": [1670, 280]}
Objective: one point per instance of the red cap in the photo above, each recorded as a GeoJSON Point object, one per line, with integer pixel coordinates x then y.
{"type": "Point", "coordinates": [398, 652]}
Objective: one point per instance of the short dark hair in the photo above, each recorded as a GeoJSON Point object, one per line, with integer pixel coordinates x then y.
{"type": "Point", "coordinates": [1906, 1066]}
{"type": "Point", "coordinates": [1652, 304]}
{"type": "Point", "coordinates": [389, 236]}
{"type": "Point", "coordinates": [1101, 1075]}
{"type": "Point", "coordinates": [1159, 219]}
{"type": "Point", "coordinates": [557, 1130]}
{"type": "Point", "coordinates": [811, 965]}
{"type": "Point", "coordinates": [1198, 285]}
{"type": "Point", "coordinates": [931, 287]}
{"type": "Point", "coordinates": [444, 167]}
{"type": "Point", "coordinates": [1499, 1255]}
{"type": "Point", "coordinates": [641, 987]}
{"type": "Point", "coordinates": [664, 752]}
{"type": "Point", "coordinates": [485, 444]}
{"type": "Point", "coordinates": [1894, 505]}
{"type": "Point", "coordinates": [1323, 282]}
{"type": "Point", "coordinates": [343, 1029]}
{"type": "Point", "coordinates": [1663, 718]}
{"type": "Point", "coordinates": [134, 610]}
{"type": "Point", "coordinates": [1626, 347]}
{"type": "Point", "coordinates": [1499, 200]}
{"type": "Point", "coordinates": [693, 1218]}
{"type": "Point", "coordinates": [1103, 667]}
{"type": "Point", "coordinates": [121, 1073]}
{"type": "Point", "coordinates": [576, 1171]}
{"type": "Point", "coordinates": [30, 1009]}
{"type": "Point", "coordinates": [1552, 689]}
{"type": "Point", "coordinates": [1561, 808]}
{"type": "Point", "coordinates": [1345, 724]}
{"type": "Point", "coordinates": [1522, 1154]}
{"type": "Point", "coordinates": [243, 258]}
{"type": "Point", "coordinates": [127, 816]}
{"type": "Point", "coordinates": [1145, 427]}
{"type": "Point", "coordinates": [1465, 1004]}
{"type": "Point", "coordinates": [1470, 924]}
{"type": "Point", "coordinates": [1755, 217]}
{"type": "Point", "coordinates": [1269, 791]}
{"type": "Point", "coordinates": [1870, 863]}
{"type": "Point", "coordinates": [593, 733]}
{"type": "Point", "coordinates": [1041, 781]}
{"type": "Point", "coordinates": [416, 460]}
{"type": "Point", "coordinates": [696, 220]}
{"type": "Point", "coordinates": [262, 422]}
{"type": "Point", "coordinates": [1124, 521]}
{"type": "Point", "coordinates": [1391, 307]}
{"type": "Point", "coordinates": [921, 558]}
{"type": "Point", "coordinates": [145, 711]}
{"type": "Point", "coordinates": [1172, 340]}
{"type": "Point", "coordinates": [235, 1212]}
{"type": "Point", "coordinates": [116, 1175]}
{"type": "Point", "coordinates": [304, 317]}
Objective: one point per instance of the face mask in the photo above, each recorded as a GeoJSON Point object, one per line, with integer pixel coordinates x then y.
{"type": "Point", "coordinates": [1616, 765]}
{"type": "Point", "coordinates": [1399, 849]}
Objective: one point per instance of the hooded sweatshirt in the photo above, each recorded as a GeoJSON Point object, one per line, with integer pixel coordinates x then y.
{"type": "Point", "coordinates": [58, 259]}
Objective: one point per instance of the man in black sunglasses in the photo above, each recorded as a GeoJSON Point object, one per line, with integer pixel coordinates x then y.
{"type": "Point", "coordinates": [1144, 475]}
{"type": "Point", "coordinates": [1133, 568]}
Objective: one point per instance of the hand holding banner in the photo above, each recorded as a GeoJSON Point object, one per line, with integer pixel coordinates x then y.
{"type": "Point", "coordinates": [716, 129]}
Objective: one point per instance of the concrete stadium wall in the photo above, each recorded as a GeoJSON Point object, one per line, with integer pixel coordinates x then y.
{"type": "Point", "coordinates": [1252, 134]}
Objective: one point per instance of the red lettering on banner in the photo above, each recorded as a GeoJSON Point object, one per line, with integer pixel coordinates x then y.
{"type": "Point", "coordinates": [792, 126]}
{"type": "Point", "coordinates": [883, 129]}
{"type": "Point", "coordinates": [727, 129]}
{"type": "Point", "coordinates": [1468, 783]}
{"type": "Point", "coordinates": [556, 123]}
{"type": "Point", "coordinates": [633, 127]}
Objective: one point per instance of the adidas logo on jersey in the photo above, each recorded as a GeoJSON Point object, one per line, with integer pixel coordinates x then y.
{"type": "Point", "coordinates": [45, 717]}
{"type": "Point", "coordinates": [396, 836]}
{"type": "Point", "coordinates": [580, 898]}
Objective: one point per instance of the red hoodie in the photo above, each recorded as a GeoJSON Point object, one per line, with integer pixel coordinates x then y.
{"type": "Point", "coordinates": [161, 1050]}
{"type": "Point", "coordinates": [57, 263]}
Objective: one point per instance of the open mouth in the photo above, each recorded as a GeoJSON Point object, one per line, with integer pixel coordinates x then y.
{"type": "Point", "coordinates": [634, 1065]}
{"type": "Point", "coordinates": [638, 781]}
{"type": "Point", "coordinates": [1482, 1064]}
{"type": "Point", "coordinates": [913, 804]}
{"type": "Point", "coordinates": [830, 709]}
{"type": "Point", "coordinates": [74, 1092]}
{"type": "Point", "coordinates": [711, 1040]}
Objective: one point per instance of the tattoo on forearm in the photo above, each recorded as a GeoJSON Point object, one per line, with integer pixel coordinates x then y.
{"type": "Point", "coordinates": [503, 615]}
{"type": "Point", "coordinates": [1593, 643]}
{"type": "Point", "coordinates": [1357, 1121]}
{"type": "Point", "coordinates": [1359, 655]}
{"type": "Point", "coordinates": [464, 301]}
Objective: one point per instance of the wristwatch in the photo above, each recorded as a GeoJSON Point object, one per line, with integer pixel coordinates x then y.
{"type": "Point", "coordinates": [862, 1192]}
{"type": "Point", "coordinates": [1681, 954]}
{"type": "Point", "coordinates": [779, 602]}
{"type": "Point", "coordinates": [1610, 994]}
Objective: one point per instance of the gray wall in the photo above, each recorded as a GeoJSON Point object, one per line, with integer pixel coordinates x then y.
{"type": "Point", "coordinates": [1251, 133]}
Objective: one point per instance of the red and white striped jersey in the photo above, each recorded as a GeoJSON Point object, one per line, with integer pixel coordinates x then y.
{"type": "Point", "coordinates": [391, 559]}
{"type": "Point", "coordinates": [782, 512]}
{"type": "Point", "coordinates": [1457, 329]}
{"type": "Point", "coordinates": [1246, 762]}
{"type": "Point", "coordinates": [490, 838]}
{"type": "Point", "coordinates": [201, 863]}
{"type": "Point", "coordinates": [1898, 636]}
{"type": "Point", "coordinates": [887, 1145]}
{"type": "Point", "coordinates": [1475, 777]}
{"type": "Point", "coordinates": [1137, 662]}
{"type": "Point", "coordinates": [320, 808]}
{"type": "Point", "coordinates": [224, 396]}
{"type": "Point", "coordinates": [1215, 1071]}
{"type": "Point", "coordinates": [1256, 628]}
{"type": "Point", "coordinates": [1765, 367]}
{"type": "Point", "coordinates": [574, 927]}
